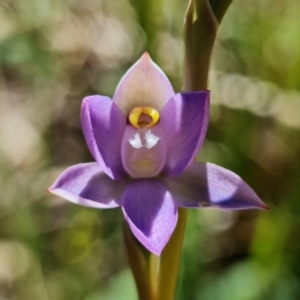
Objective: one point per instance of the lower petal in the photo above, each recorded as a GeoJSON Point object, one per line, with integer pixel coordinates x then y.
{"type": "Point", "coordinates": [150, 212]}
{"type": "Point", "coordinates": [86, 184]}
{"type": "Point", "coordinates": [206, 184]}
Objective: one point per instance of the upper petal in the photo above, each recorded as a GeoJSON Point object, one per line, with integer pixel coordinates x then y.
{"type": "Point", "coordinates": [206, 184]}
{"type": "Point", "coordinates": [103, 125]}
{"type": "Point", "coordinates": [150, 213]}
{"type": "Point", "coordinates": [87, 185]}
{"type": "Point", "coordinates": [144, 84]}
{"type": "Point", "coordinates": [184, 120]}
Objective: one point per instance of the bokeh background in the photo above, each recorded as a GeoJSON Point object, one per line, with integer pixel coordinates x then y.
{"type": "Point", "coordinates": [55, 52]}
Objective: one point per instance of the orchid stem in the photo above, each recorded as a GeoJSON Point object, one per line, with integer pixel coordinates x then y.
{"type": "Point", "coordinates": [170, 260]}
{"type": "Point", "coordinates": [143, 264]}
{"type": "Point", "coordinates": [153, 272]}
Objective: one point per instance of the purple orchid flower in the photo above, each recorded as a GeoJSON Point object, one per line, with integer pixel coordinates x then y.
{"type": "Point", "coordinates": [145, 142]}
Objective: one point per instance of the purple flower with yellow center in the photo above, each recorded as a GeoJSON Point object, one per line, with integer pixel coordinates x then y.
{"type": "Point", "coordinates": [144, 142]}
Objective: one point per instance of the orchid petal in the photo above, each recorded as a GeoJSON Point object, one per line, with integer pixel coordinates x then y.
{"type": "Point", "coordinates": [206, 184]}
{"type": "Point", "coordinates": [103, 125]}
{"type": "Point", "coordinates": [150, 213]}
{"type": "Point", "coordinates": [184, 120]}
{"type": "Point", "coordinates": [143, 151]}
{"type": "Point", "coordinates": [86, 184]}
{"type": "Point", "coordinates": [144, 84]}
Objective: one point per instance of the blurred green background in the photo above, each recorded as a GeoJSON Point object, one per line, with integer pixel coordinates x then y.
{"type": "Point", "coordinates": [55, 52]}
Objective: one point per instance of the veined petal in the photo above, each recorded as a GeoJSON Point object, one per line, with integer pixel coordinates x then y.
{"type": "Point", "coordinates": [103, 125]}
{"type": "Point", "coordinates": [144, 84]}
{"type": "Point", "coordinates": [150, 213]}
{"type": "Point", "coordinates": [86, 184]}
{"type": "Point", "coordinates": [206, 184]}
{"type": "Point", "coordinates": [184, 120]}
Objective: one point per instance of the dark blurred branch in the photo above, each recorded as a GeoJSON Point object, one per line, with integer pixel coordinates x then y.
{"type": "Point", "coordinates": [219, 7]}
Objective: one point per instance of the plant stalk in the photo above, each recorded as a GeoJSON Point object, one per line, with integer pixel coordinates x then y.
{"type": "Point", "coordinates": [170, 260]}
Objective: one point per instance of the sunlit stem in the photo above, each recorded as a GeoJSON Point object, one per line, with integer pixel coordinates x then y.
{"type": "Point", "coordinates": [144, 266]}
{"type": "Point", "coordinates": [170, 260]}
{"type": "Point", "coordinates": [201, 24]}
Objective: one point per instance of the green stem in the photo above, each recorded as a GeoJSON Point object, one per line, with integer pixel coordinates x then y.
{"type": "Point", "coordinates": [153, 263]}
{"type": "Point", "coordinates": [170, 258]}
{"type": "Point", "coordinates": [200, 28]}
{"type": "Point", "coordinates": [143, 264]}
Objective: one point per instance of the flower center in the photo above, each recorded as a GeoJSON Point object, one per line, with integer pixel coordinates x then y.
{"type": "Point", "coordinates": [143, 116]}
{"type": "Point", "coordinates": [143, 151]}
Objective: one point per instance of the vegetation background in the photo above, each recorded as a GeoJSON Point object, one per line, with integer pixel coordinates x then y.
{"type": "Point", "coordinates": [55, 52]}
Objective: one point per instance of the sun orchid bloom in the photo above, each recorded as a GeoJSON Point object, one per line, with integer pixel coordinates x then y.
{"type": "Point", "coordinates": [144, 142]}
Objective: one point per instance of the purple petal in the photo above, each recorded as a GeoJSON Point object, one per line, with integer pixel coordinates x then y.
{"type": "Point", "coordinates": [143, 151]}
{"type": "Point", "coordinates": [184, 120]}
{"type": "Point", "coordinates": [144, 84]}
{"type": "Point", "coordinates": [205, 184]}
{"type": "Point", "coordinates": [87, 185]}
{"type": "Point", "coordinates": [150, 213]}
{"type": "Point", "coordinates": [103, 125]}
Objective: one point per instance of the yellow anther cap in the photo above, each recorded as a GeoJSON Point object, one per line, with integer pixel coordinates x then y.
{"type": "Point", "coordinates": [135, 114]}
